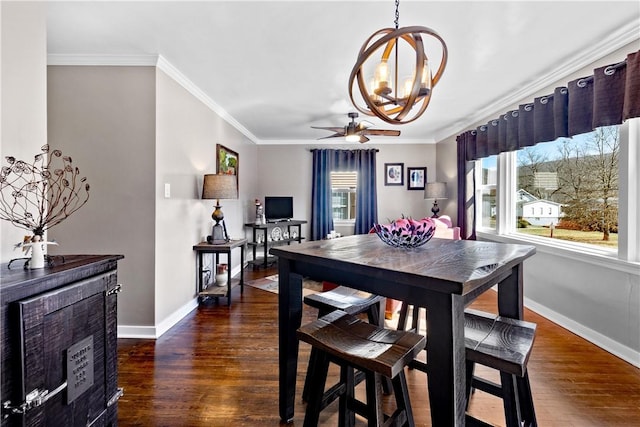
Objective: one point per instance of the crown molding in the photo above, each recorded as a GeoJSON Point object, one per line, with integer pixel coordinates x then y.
{"type": "Point", "coordinates": [160, 63]}
{"type": "Point", "coordinates": [103, 60]}
{"type": "Point", "coordinates": [625, 35]}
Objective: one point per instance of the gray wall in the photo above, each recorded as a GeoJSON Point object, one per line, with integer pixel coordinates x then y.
{"type": "Point", "coordinates": [285, 170]}
{"type": "Point", "coordinates": [23, 125]}
{"type": "Point", "coordinates": [103, 117]}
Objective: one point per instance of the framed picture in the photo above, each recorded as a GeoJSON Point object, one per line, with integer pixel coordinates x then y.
{"type": "Point", "coordinates": [416, 177]}
{"type": "Point", "coordinates": [394, 174]}
{"type": "Point", "coordinates": [228, 162]}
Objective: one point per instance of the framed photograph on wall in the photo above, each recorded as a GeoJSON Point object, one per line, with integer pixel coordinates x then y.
{"type": "Point", "coordinates": [394, 174]}
{"type": "Point", "coordinates": [227, 162]}
{"type": "Point", "coordinates": [416, 178]}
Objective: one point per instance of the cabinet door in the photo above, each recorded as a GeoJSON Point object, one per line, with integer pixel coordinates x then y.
{"type": "Point", "coordinates": [68, 336]}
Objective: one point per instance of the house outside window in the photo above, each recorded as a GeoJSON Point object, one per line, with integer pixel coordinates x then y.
{"type": "Point", "coordinates": [343, 196]}
{"type": "Point", "coordinates": [565, 190]}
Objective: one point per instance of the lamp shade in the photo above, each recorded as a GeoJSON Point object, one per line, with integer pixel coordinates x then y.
{"type": "Point", "coordinates": [220, 187]}
{"type": "Point", "coordinates": [435, 190]}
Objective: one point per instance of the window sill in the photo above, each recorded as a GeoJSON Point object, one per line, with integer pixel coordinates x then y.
{"type": "Point", "coordinates": [586, 253]}
{"type": "Point", "coordinates": [344, 222]}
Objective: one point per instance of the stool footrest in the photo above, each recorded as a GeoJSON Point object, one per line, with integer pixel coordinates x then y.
{"type": "Point", "coordinates": [486, 386]}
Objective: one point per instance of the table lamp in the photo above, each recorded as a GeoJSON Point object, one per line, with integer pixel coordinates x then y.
{"type": "Point", "coordinates": [219, 187]}
{"type": "Point", "coordinates": [435, 191]}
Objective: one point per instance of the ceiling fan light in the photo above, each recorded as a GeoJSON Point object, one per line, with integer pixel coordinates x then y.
{"type": "Point", "coordinates": [352, 138]}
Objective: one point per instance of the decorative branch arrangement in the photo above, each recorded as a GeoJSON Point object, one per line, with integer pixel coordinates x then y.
{"type": "Point", "coordinates": [36, 196]}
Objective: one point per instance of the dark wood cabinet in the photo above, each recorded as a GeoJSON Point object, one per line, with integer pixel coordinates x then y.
{"type": "Point", "coordinates": [59, 343]}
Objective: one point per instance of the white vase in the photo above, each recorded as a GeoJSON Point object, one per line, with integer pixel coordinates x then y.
{"type": "Point", "coordinates": [221, 279]}
{"type": "Point", "coordinates": [37, 252]}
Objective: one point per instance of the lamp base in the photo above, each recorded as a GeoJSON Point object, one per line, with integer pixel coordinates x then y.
{"type": "Point", "coordinates": [435, 209]}
{"type": "Point", "coordinates": [218, 234]}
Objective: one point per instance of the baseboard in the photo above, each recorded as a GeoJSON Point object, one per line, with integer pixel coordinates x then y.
{"type": "Point", "coordinates": [154, 332]}
{"type": "Point", "coordinates": [623, 352]}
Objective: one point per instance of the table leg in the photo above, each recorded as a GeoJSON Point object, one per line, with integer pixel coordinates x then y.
{"type": "Point", "coordinates": [446, 365]}
{"type": "Point", "coordinates": [243, 248]}
{"type": "Point", "coordinates": [229, 278]}
{"type": "Point", "coordinates": [510, 294]}
{"type": "Point", "coordinates": [290, 317]}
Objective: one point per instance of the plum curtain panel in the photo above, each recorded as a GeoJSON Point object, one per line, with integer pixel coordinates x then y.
{"type": "Point", "coordinates": [608, 97]}
{"type": "Point", "coordinates": [327, 161]}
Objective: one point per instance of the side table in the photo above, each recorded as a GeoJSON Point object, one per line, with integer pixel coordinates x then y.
{"type": "Point", "coordinates": [223, 248]}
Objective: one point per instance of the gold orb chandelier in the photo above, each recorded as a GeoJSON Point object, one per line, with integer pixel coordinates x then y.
{"type": "Point", "coordinates": [386, 96]}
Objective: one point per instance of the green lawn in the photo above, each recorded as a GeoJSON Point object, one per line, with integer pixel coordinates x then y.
{"type": "Point", "coordinates": [590, 237]}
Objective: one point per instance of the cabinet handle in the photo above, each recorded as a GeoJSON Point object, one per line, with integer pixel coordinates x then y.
{"type": "Point", "coordinates": [116, 289]}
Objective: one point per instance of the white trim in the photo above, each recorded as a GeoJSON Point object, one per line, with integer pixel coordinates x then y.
{"type": "Point", "coordinates": [103, 60]}
{"type": "Point", "coordinates": [144, 332]}
{"type": "Point", "coordinates": [155, 332]}
{"type": "Point", "coordinates": [584, 253]}
{"type": "Point", "coordinates": [623, 352]}
{"type": "Point", "coordinates": [629, 193]}
{"type": "Point", "coordinates": [191, 87]}
{"type": "Point", "coordinates": [176, 317]}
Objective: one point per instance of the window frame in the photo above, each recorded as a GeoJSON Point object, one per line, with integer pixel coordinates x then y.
{"type": "Point", "coordinates": [343, 221]}
{"type": "Point", "coordinates": [626, 257]}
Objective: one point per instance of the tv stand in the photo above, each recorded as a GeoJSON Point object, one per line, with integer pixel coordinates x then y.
{"type": "Point", "coordinates": [265, 236]}
{"type": "Point", "coordinates": [275, 221]}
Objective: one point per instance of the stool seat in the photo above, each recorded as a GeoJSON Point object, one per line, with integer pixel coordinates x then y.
{"type": "Point", "coordinates": [349, 300]}
{"type": "Point", "coordinates": [354, 344]}
{"type": "Point", "coordinates": [498, 342]}
{"type": "Point", "coordinates": [503, 344]}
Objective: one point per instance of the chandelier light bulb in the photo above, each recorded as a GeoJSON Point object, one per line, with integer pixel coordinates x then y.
{"type": "Point", "coordinates": [382, 78]}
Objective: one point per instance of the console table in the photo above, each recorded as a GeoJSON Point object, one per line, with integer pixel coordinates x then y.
{"type": "Point", "coordinates": [272, 234]}
{"type": "Point", "coordinates": [214, 291]}
{"type": "Point", "coordinates": [59, 342]}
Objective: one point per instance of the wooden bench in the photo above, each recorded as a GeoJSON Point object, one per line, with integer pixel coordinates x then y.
{"type": "Point", "coordinates": [354, 344]}
{"type": "Point", "coordinates": [349, 300]}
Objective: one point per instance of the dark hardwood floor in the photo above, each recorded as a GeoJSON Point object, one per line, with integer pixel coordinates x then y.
{"type": "Point", "coordinates": [219, 367]}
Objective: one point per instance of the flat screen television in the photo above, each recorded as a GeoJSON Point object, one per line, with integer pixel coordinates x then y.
{"type": "Point", "coordinates": [278, 208]}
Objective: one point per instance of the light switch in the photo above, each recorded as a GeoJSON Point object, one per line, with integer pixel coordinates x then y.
{"type": "Point", "coordinates": [167, 190]}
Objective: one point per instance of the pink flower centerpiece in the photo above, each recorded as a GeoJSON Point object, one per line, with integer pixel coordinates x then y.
{"type": "Point", "coordinates": [406, 232]}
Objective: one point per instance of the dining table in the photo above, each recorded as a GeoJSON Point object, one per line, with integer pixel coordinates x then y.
{"type": "Point", "coordinates": [444, 276]}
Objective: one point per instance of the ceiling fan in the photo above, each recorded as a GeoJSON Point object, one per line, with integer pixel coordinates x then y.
{"type": "Point", "coordinates": [356, 132]}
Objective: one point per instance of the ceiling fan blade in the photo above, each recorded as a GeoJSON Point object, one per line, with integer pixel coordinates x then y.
{"type": "Point", "coordinates": [386, 132]}
{"type": "Point", "coordinates": [335, 135]}
{"type": "Point", "coordinates": [332, 129]}
{"type": "Point", "coordinates": [363, 139]}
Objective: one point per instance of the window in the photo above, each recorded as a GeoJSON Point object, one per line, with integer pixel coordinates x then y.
{"type": "Point", "coordinates": [343, 195]}
{"type": "Point", "coordinates": [573, 193]}
{"type": "Point", "coordinates": [486, 192]}
{"type": "Point", "coordinates": [580, 176]}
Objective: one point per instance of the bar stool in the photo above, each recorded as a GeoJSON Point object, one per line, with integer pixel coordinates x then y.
{"type": "Point", "coordinates": [503, 344]}
{"type": "Point", "coordinates": [354, 344]}
{"type": "Point", "coordinates": [352, 302]}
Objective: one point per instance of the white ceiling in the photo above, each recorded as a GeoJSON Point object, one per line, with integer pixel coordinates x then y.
{"type": "Point", "coordinates": [274, 69]}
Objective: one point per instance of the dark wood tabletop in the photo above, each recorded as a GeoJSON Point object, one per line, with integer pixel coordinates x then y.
{"type": "Point", "coordinates": [443, 275]}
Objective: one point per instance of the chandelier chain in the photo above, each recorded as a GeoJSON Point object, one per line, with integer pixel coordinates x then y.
{"type": "Point", "coordinates": [397, 14]}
